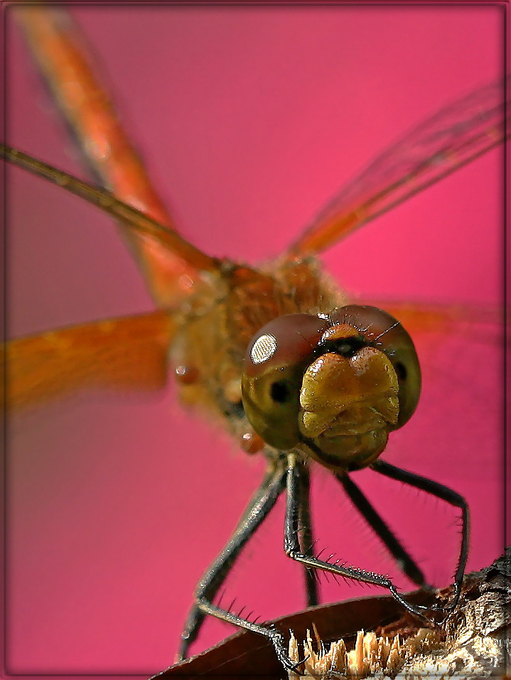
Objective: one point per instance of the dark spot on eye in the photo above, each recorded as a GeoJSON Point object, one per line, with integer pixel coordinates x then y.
{"type": "Point", "coordinates": [401, 371]}
{"type": "Point", "coordinates": [346, 347]}
{"type": "Point", "coordinates": [279, 392]}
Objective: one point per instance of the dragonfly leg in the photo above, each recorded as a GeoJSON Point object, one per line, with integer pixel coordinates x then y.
{"type": "Point", "coordinates": [293, 550]}
{"type": "Point", "coordinates": [406, 563]}
{"type": "Point", "coordinates": [449, 496]}
{"type": "Point", "coordinates": [307, 542]}
{"type": "Point", "coordinates": [260, 506]}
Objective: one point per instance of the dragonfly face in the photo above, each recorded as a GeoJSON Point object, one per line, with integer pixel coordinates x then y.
{"type": "Point", "coordinates": [262, 147]}
{"type": "Point", "coordinates": [333, 384]}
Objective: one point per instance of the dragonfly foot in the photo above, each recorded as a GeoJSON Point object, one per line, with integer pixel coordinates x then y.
{"type": "Point", "coordinates": [278, 642]}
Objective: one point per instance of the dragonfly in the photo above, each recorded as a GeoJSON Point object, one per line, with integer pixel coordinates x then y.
{"type": "Point", "coordinates": [217, 546]}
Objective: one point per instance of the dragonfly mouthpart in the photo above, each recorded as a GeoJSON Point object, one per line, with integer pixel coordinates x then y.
{"type": "Point", "coordinates": [349, 404]}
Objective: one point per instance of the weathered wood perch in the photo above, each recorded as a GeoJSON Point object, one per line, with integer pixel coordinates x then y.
{"type": "Point", "coordinates": [474, 642]}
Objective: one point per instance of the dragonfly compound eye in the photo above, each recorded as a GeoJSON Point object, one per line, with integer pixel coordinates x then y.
{"type": "Point", "coordinates": [274, 365]}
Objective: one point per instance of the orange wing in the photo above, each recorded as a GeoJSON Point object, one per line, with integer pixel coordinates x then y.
{"type": "Point", "coordinates": [62, 56]}
{"type": "Point", "coordinates": [456, 135]}
{"type": "Point", "coordinates": [126, 353]}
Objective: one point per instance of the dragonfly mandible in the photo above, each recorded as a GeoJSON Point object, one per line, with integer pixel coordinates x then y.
{"type": "Point", "coordinates": [266, 130]}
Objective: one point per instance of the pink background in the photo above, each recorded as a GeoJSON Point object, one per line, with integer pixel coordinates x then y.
{"type": "Point", "coordinates": [250, 119]}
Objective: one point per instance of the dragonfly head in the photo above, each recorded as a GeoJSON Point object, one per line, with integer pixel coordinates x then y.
{"type": "Point", "coordinates": [335, 384]}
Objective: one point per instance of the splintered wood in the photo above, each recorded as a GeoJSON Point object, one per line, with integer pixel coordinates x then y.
{"type": "Point", "coordinates": [372, 655]}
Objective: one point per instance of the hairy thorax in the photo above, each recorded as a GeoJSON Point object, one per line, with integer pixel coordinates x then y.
{"type": "Point", "coordinates": [222, 317]}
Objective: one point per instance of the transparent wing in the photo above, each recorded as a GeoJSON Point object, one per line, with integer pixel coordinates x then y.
{"type": "Point", "coordinates": [453, 137]}
{"type": "Point", "coordinates": [129, 353]}
{"type": "Point", "coordinates": [425, 321]}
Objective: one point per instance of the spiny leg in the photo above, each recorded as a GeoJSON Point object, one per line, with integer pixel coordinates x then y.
{"type": "Point", "coordinates": [196, 616]}
{"type": "Point", "coordinates": [449, 496]}
{"type": "Point", "coordinates": [406, 563]}
{"type": "Point", "coordinates": [307, 542]}
{"type": "Point", "coordinates": [260, 506]}
{"type": "Point", "coordinates": [292, 545]}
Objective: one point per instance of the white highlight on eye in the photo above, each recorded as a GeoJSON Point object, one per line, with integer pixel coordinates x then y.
{"type": "Point", "coordinates": [263, 349]}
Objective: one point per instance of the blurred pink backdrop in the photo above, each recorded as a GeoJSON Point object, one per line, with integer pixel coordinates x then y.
{"type": "Point", "coordinates": [249, 118]}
